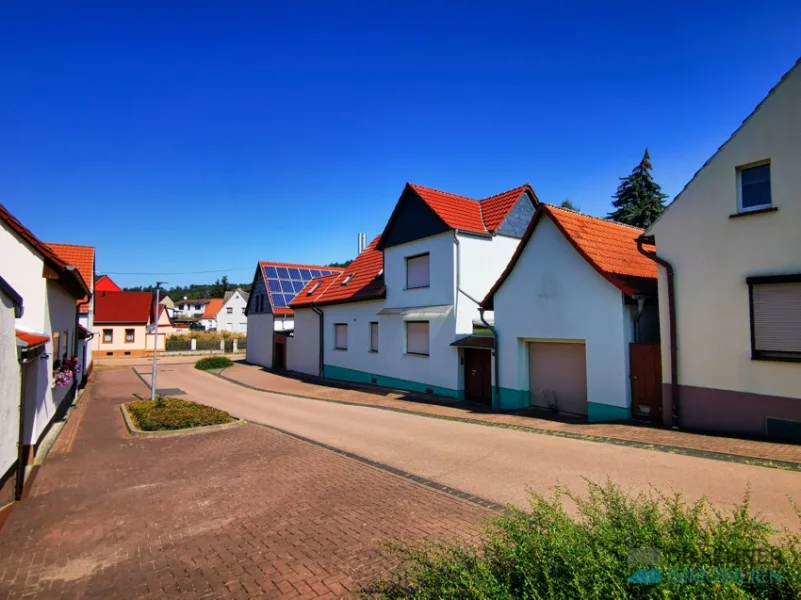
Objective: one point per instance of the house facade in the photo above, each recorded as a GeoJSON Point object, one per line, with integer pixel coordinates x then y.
{"type": "Point", "coordinates": [209, 317]}
{"type": "Point", "coordinates": [121, 324]}
{"type": "Point", "coordinates": [403, 314]}
{"type": "Point", "coordinates": [11, 307]}
{"type": "Point", "coordinates": [730, 245]}
{"type": "Point", "coordinates": [269, 320]}
{"type": "Point", "coordinates": [566, 324]}
{"type": "Point", "coordinates": [232, 315]}
{"type": "Point", "coordinates": [190, 308]}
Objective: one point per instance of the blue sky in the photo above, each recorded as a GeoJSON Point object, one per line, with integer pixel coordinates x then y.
{"type": "Point", "coordinates": [206, 136]}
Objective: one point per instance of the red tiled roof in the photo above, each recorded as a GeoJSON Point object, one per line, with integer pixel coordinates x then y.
{"type": "Point", "coordinates": [83, 259]}
{"type": "Point", "coordinates": [366, 283]}
{"type": "Point", "coordinates": [72, 283]}
{"type": "Point", "coordinates": [212, 308]}
{"type": "Point", "coordinates": [31, 339]}
{"type": "Point", "coordinates": [104, 283]}
{"type": "Point", "coordinates": [496, 208]}
{"type": "Point", "coordinates": [280, 310]}
{"type": "Point", "coordinates": [123, 307]}
{"type": "Point", "coordinates": [611, 249]}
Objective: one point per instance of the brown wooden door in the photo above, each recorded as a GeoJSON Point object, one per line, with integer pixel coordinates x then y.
{"type": "Point", "coordinates": [478, 375]}
{"type": "Point", "coordinates": [279, 356]}
{"type": "Point", "coordinates": [646, 381]}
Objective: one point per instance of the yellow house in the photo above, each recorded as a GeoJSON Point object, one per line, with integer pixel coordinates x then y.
{"type": "Point", "coordinates": [123, 322]}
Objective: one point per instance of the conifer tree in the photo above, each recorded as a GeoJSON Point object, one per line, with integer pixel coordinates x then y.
{"type": "Point", "coordinates": [639, 199]}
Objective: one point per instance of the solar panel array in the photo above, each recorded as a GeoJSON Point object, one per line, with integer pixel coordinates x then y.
{"type": "Point", "coordinates": [284, 283]}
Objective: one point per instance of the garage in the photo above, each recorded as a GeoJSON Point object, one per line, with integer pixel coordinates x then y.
{"type": "Point", "coordinates": [558, 376]}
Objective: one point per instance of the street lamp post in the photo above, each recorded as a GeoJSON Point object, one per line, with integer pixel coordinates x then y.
{"type": "Point", "coordinates": [155, 341]}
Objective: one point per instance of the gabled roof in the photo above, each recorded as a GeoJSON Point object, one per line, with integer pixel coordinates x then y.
{"type": "Point", "coordinates": [212, 308]}
{"type": "Point", "coordinates": [609, 247]}
{"type": "Point", "coordinates": [83, 259]}
{"type": "Point", "coordinates": [67, 274]}
{"type": "Point", "coordinates": [282, 276]}
{"type": "Point", "coordinates": [362, 280]}
{"type": "Point", "coordinates": [123, 307]}
{"type": "Point", "coordinates": [229, 294]}
{"type": "Point", "coordinates": [104, 283]}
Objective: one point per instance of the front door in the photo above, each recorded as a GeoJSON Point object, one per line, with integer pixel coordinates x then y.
{"type": "Point", "coordinates": [478, 375]}
{"type": "Point", "coordinates": [646, 381]}
{"type": "Point", "coordinates": [279, 358]}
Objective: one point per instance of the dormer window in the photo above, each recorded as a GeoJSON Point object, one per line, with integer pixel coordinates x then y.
{"type": "Point", "coordinates": [348, 278]}
{"type": "Point", "coordinates": [754, 187]}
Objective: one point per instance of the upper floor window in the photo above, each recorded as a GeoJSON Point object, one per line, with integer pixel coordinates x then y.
{"type": "Point", "coordinates": [775, 317]}
{"type": "Point", "coordinates": [754, 184]}
{"type": "Point", "coordinates": [229, 310]}
{"type": "Point", "coordinates": [341, 336]}
{"type": "Point", "coordinates": [198, 306]}
{"type": "Point", "coordinates": [418, 271]}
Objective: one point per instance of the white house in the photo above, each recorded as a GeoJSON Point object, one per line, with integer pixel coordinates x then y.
{"type": "Point", "coordinates": [267, 314]}
{"type": "Point", "coordinates": [209, 317]}
{"type": "Point", "coordinates": [46, 331]}
{"type": "Point", "coordinates": [11, 307]}
{"type": "Point", "coordinates": [730, 283]}
{"type": "Point", "coordinates": [576, 300]}
{"type": "Point", "coordinates": [402, 315]}
{"type": "Point", "coordinates": [190, 308]}
{"type": "Point", "coordinates": [232, 315]}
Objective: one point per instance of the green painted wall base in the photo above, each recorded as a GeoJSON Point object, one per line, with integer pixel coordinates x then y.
{"type": "Point", "coordinates": [508, 399]}
{"type": "Point", "coordinates": [343, 374]}
{"type": "Point", "coordinates": [605, 412]}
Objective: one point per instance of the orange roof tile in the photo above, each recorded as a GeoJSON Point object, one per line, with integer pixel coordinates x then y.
{"type": "Point", "coordinates": [496, 208]}
{"type": "Point", "coordinates": [611, 249]}
{"type": "Point", "coordinates": [363, 280]}
{"type": "Point", "coordinates": [83, 259]}
{"type": "Point", "coordinates": [212, 308]}
{"type": "Point", "coordinates": [285, 310]}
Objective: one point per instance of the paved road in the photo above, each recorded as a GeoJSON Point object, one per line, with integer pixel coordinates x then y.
{"type": "Point", "coordinates": [493, 463]}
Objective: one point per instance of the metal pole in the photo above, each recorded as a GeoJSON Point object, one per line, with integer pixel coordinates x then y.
{"type": "Point", "coordinates": [155, 342]}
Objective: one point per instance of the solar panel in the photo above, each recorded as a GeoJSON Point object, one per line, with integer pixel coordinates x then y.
{"type": "Point", "coordinates": [279, 301]}
{"type": "Point", "coordinates": [305, 274]}
{"type": "Point", "coordinates": [285, 283]}
{"type": "Point", "coordinates": [274, 285]}
{"type": "Point", "coordinates": [315, 273]}
{"type": "Point", "coordinates": [282, 273]}
{"type": "Point", "coordinates": [298, 285]}
{"type": "Point", "coordinates": [286, 286]}
{"type": "Point", "coordinates": [294, 274]}
{"type": "Point", "coordinates": [270, 271]}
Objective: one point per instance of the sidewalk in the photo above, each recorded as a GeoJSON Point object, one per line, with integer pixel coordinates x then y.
{"type": "Point", "coordinates": [768, 453]}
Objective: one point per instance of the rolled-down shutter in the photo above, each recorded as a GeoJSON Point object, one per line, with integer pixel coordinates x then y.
{"type": "Point", "coordinates": [418, 273]}
{"type": "Point", "coordinates": [374, 337]}
{"type": "Point", "coordinates": [341, 342]}
{"type": "Point", "coordinates": [777, 317]}
{"type": "Point", "coordinates": [417, 337]}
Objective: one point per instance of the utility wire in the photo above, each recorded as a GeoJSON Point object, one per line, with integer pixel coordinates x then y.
{"type": "Point", "coordinates": [174, 272]}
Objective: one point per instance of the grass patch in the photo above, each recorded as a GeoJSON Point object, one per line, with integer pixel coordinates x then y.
{"type": "Point", "coordinates": [678, 549]}
{"type": "Point", "coordinates": [167, 414]}
{"type": "Point", "coordinates": [213, 362]}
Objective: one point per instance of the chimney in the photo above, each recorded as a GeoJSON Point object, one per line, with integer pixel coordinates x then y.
{"type": "Point", "coordinates": [362, 243]}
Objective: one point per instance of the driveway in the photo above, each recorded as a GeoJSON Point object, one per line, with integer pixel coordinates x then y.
{"type": "Point", "coordinates": [239, 513]}
{"type": "Point", "coordinates": [493, 463]}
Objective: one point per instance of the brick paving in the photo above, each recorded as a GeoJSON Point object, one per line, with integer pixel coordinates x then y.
{"type": "Point", "coordinates": [239, 513]}
{"type": "Point", "coordinates": [312, 387]}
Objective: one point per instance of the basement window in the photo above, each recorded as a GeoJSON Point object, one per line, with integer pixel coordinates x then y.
{"type": "Point", "coordinates": [775, 303]}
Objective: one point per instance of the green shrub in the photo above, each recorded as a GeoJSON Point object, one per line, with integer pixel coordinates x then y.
{"type": "Point", "coordinates": [213, 362]}
{"type": "Point", "coordinates": [173, 413]}
{"type": "Point", "coordinates": [549, 552]}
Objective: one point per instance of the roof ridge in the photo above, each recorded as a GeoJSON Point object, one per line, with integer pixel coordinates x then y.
{"type": "Point", "coordinates": [575, 212]}
{"type": "Point", "coordinates": [297, 265]}
{"type": "Point", "coordinates": [73, 245]}
{"type": "Point", "coordinates": [511, 189]}
{"type": "Point", "coordinates": [425, 187]}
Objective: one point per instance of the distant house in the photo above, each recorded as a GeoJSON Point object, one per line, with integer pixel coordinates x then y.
{"type": "Point", "coordinates": [575, 304]}
{"type": "Point", "coordinates": [730, 280]}
{"type": "Point", "coordinates": [209, 317]}
{"type": "Point", "coordinates": [121, 324]}
{"type": "Point", "coordinates": [167, 302]}
{"type": "Point", "coordinates": [269, 318]}
{"type": "Point", "coordinates": [104, 283]}
{"type": "Point", "coordinates": [232, 315]}
{"type": "Point", "coordinates": [191, 308]}
{"type": "Point", "coordinates": [83, 258]}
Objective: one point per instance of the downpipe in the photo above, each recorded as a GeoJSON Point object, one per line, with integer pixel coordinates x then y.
{"type": "Point", "coordinates": [321, 321]}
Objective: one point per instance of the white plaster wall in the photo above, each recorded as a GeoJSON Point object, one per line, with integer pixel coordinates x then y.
{"type": "Point", "coordinates": [554, 294]}
{"type": "Point", "coordinates": [442, 255]}
{"type": "Point", "coordinates": [482, 260]}
{"type": "Point", "coordinates": [260, 339]}
{"type": "Point", "coordinates": [21, 267]}
{"type": "Point", "coordinates": [9, 386]}
{"type": "Point", "coordinates": [236, 321]}
{"type": "Point", "coordinates": [283, 323]}
{"type": "Point", "coordinates": [713, 254]}
{"type": "Point", "coordinates": [302, 353]}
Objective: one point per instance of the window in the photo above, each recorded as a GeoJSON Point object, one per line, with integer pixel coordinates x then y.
{"type": "Point", "coordinates": [417, 337]}
{"type": "Point", "coordinates": [775, 317]}
{"type": "Point", "coordinates": [347, 279]}
{"type": "Point", "coordinates": [418, 274]}
{"type": "Point", "coordinates": [229, 310]}
{"type": "Point", "coordinates": [313, 289]}
{"type": "Point", "coordinates": [244, 310]}
{"type": "Point", "coordinates": [373, 337]}
{"type": "Point", "coordinates": [198, 306]}
{"type": "Point", "coordinates": [108, 336]}
{"type": "Point", "coordinates": [130, 336]}
{"type": "Point", "coordinates": [754, 187]}
{"type": "Point", "coordinates": [340, 336]}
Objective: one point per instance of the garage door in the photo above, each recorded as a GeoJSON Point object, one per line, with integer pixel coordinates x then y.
{"type": "Point", "coordinates": [558, 376]}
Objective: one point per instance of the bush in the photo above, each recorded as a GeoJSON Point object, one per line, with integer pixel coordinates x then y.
{"type": "Point", "coordinates": [173, 413]}
{"type": "Point", "coordinates": [213, 362]}
{"type": "Point", "coordinates": [549, 553]}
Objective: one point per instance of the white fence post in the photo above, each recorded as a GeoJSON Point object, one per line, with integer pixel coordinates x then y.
{"type": "Point", "coordinates": [222, 345]}
{"type": "Point", "coordinates": [193, 344]}
{"type": "Point", "coordinates": [236, 348]}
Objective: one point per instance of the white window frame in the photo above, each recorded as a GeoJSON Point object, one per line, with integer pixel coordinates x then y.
{"type": "Point", "coordinates": [413, 260]}
{"type": "Point", "coordinates": [133, 335]}
{"type": "Point", "coordinates": [783, 355]}
{"type": "Point", "coordinates": [337, 342]}
{"type": "Point", "coordinates": [740, 169]}
{"type": "Point", "coordinates": [416, 351]}
{"type": "Point", "coordinates": [110, 339]}
{"type": "Point", "coordinates": [373, 338]}
{"type": "Point", "coordinates": [229, 310]}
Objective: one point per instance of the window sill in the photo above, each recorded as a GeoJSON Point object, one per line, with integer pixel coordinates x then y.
{"type": "Point", "coordinates": [341, 349]}
{"type": "Point", "coordinates": [416, 355]}
{"type": "Point", "coordinates": [372, 352]}
{"type": "Point", "coordinates": [419, 287]}
{"type": "Point", "coordinates": [758, 211]}
{"type": "Point", "coordinates": [795, 359]}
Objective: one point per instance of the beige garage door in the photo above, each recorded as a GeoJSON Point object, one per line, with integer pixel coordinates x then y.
{"type": "Point", "coordinates": [558, 376]}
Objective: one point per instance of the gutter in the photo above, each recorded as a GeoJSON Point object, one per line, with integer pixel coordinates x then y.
{"type": "Point", "coordinates": [496, 387]}
{"type": "Point", "coordinates": [674, 366]}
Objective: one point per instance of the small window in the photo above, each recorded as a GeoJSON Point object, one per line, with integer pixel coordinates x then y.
{"type": "Point", "coordinates": [341, 336]}
{"type": "Point", "coordinates": [108, 336]}
{"type": "Point", "coordinates": [244, 310]}
{"type": "Point", "coordinates": [418, 274]}
{"type": "Point", "coordinates": [130, 336]}
{"type": "Point", "coordinates": [373, 337]}
{"type": "Point", "coordinates": [417, 337]}
{"type": "Point", "coordinates": [198, 306]}
{"type": "Point", "coordinates": [347, 279]}
{"type": "Point", "coordinates": [313, 289]}
{"type": "Point", "coordinates": [775, 317]}
{"type": "Point", "coordinates": [229, 310]}
{"type": "Point", "coordinates": [755, 187]}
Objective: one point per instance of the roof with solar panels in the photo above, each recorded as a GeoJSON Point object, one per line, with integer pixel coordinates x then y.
{"type": "Point", "coordinates": [284, 280]}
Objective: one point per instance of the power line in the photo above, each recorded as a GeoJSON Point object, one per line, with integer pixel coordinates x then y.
{"type": "Point", "coordinates": [174, 272]}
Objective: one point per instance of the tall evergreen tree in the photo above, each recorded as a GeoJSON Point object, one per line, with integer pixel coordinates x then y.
{"type": "Point", "coordinates": [569, 205]}
{"type": "Point", "coordinates": [639, 199]}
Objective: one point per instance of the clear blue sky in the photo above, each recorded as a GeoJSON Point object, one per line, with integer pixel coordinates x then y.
{"type": "Point", "coordinates": [208, 135]}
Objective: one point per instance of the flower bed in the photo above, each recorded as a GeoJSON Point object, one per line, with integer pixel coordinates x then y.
{"type": "Point", "coordinates": [168, 414]}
